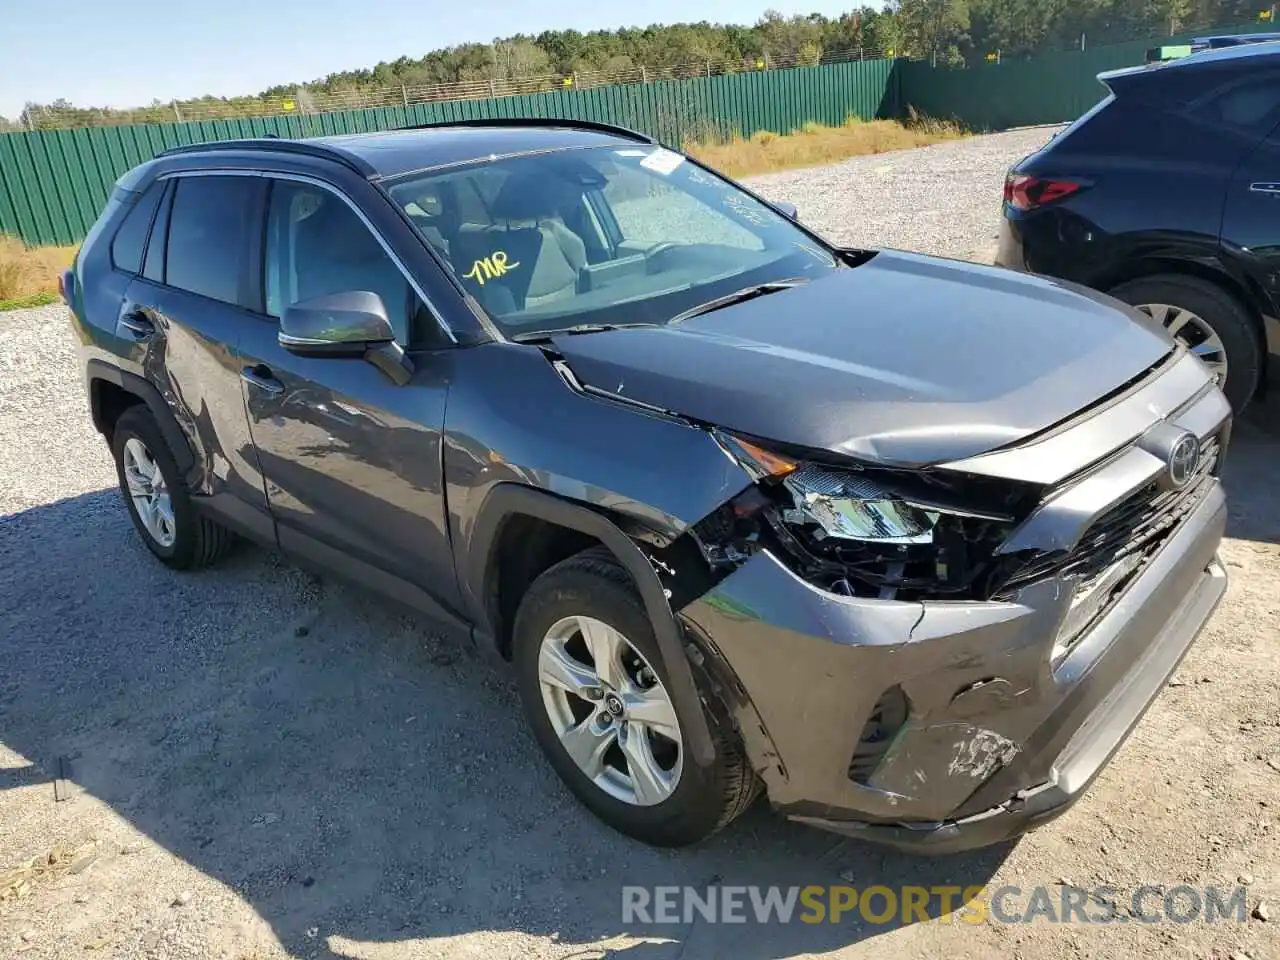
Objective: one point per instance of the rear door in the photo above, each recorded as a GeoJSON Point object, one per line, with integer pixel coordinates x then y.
{"type": "Point", "coordinates": [1251, 214]}
{"type": "Point", "coordinates": [351, 460]}
{"type": "Point", "coordinates": [187, 307]}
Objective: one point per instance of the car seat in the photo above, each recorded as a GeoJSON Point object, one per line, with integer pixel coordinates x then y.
{"type": "Point", "coordinates": [528, 257]}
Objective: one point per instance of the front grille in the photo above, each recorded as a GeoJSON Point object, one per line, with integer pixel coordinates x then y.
{"type": "Point", "coordinates": [1135, 526]}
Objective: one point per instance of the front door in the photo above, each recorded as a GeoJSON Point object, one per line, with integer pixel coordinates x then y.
{"type": "Point", "coordinates": [351, 461]}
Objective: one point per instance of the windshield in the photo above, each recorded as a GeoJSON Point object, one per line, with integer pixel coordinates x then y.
{"type": "Point", "coordinates": [606, 235]}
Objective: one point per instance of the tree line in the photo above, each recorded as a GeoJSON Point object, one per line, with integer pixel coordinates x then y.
{"type": "Point", "coordinates": [951, 32]}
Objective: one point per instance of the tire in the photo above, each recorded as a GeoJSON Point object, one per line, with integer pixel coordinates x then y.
{"type": "Point", "coordinates": [592, 584]}
{"type": "Point", "coordinates": [1220, 310]}
{"type": "Point", "coordinates": [186, 540]}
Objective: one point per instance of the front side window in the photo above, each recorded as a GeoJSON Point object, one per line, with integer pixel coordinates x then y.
{"type": "Point", "coordinates": [208, 239]}
{"type": "Point", "coordinates": [601, 235]}
{"type": "Point", "coordinates": [317, 245]}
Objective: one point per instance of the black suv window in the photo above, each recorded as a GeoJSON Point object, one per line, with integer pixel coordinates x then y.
{"type": "Point", "coordinates": [1252, 105]}
{"type": "Point", "coordinates": [317, 245]}
{"type": "Point", "coordinates": [208, 236]}
{"type": "Point", "coordinates": [131, 238]}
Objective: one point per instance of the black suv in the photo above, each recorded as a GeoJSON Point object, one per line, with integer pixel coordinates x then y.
{"type": "Point", "coordinates": [1167, 196]}
{"type": "Point", "coordinates": [743, 509]}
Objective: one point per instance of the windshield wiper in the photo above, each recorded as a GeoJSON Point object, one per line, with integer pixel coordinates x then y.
{"type": "Point", "coordinates": [738, 296]}
{"type": "Point", "coordinates": [537, 336]}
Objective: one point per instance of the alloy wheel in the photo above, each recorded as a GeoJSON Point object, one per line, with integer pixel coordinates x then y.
{"type": "Point", "coordinates": [1194, 332]}
{"type": "Point", "coordinates": [149, 492]}
{"type": "Point", "coordinates": [612, 714]}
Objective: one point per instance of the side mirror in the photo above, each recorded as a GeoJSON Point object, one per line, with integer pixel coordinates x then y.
{"type": "Point", "coordinates": [788, 210]}
{"type": "Point", "coordinates": [335, 325]}
{"type": "Point", "coordinates": [351, 324]}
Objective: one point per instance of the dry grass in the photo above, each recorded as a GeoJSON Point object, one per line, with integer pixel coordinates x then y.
{"type": "Point", "coordinates": [29, 275]}
{"type": "Point", "coordinates": [815, 144]}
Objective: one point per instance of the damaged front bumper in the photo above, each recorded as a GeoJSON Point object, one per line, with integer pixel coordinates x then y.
{"type": "Point", "coordinates": [998, 735]}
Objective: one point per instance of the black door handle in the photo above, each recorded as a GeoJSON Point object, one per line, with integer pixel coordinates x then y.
{"type": "Point", "coordinates": [137, 326]}
{"type": "Point", "coordinates": [261, 377]}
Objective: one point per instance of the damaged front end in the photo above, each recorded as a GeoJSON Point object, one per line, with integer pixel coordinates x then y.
{"type": "Point", "coordinates": [939, 658]}
{"type": "Point", "coordinates": [866, 531]}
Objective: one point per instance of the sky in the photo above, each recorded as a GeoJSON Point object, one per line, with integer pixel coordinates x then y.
{"type": "Point", "coordinates": [122, 53]}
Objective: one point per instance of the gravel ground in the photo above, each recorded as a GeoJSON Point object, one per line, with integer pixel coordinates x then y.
{"type": "Point", "coordinates": [943, 200]}
{"type": "Point", "coordinates": [261, 763]}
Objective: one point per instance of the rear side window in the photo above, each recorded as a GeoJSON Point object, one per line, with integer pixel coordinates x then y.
{"type": "Point", "coordinates": [208, 236]}
{"type": "Point", "coordinates": [1253, 105]}
{"type": "Point", "coordinates": [131, 238]}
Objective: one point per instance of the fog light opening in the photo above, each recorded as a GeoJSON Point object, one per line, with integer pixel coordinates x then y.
{"type": "Point", "coordinates": [887, 717]}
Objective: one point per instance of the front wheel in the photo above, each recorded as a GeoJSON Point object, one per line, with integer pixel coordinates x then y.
{"type": "Point", "coordinates": [1209, 321]}
{"type": "Point", "coordinates": [594, 690]}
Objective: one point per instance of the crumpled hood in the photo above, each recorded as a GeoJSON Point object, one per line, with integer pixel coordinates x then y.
{"type": "Point", "coordinates": [905, 360]}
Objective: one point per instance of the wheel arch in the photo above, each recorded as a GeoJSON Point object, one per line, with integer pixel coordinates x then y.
{"type": "Point", "coordinates": [1209, 268]}
{"type": "Point", "coordinates": [112, 391]}
{"type": "Point", "coordinates": [509, 502]}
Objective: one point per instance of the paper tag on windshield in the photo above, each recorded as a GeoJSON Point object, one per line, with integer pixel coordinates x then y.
{"type": "Point", "coordinates": [662, 161]}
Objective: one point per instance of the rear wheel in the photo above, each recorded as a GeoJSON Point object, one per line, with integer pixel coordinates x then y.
{"type": "Point", "coordinates": [157, 498]}
{"type": "Point", "coordinates": [1210, 321]}
{"type": "Point", "coordinates": [595, 692]}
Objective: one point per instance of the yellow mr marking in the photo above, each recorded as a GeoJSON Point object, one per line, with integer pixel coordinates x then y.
{"type": "Point", "coordinates": [489, 268]}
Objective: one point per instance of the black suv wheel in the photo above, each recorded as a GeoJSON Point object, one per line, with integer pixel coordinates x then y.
{"type": "Point", "coordinates": [1212, 323]}
{"type": "Point", "coordinates": [157, 498]}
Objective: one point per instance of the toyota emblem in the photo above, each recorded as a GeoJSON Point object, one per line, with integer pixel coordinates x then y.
{"type": "Point", "coordinates": [1184, 457]}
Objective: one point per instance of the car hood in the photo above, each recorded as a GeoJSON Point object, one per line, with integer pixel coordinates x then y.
{"type": "Point", "coordinates": [905, 360]}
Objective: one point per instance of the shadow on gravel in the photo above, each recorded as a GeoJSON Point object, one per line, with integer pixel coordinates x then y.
{"type": "Point", "coordinates": [1252, 476]}
{"type": "Point", "coordinates": [355, 776]}
{"type": "Point", "coordinates": [358, 778]}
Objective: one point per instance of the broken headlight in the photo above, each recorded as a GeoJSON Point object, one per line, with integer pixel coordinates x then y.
{"type": "Point", "coordinates": [851, 507]}
{"type": "Point", "coordinates": [865, 531]}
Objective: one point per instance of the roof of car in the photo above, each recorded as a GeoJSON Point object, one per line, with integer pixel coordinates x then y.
{"type": "Point", "coordinates": [1242, 38]}
{"type": "Point", "coordinates": [1269, 49]}
{"type": "Point", "coordinates": [1268, 55]}
{"type": "Point", "coordinates": [391, 153]}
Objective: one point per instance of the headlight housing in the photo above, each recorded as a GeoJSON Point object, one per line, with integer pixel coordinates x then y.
{"type": "Point", "coordinates": [866, 530]}
{"type": "Point", "coordinates": [851, 507]}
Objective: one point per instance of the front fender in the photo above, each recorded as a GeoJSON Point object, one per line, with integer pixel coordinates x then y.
{"type": "Point", "coordinates": [521, 439]}
{"type": "Point", "coordinates": [507, 499]}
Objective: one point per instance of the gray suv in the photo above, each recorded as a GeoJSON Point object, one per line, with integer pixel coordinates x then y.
{"type": "Point", "coordinates": [909, 544]}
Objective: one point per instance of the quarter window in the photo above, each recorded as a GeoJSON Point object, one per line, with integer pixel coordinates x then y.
{"type": "Point", "coordinates": [131, 238]}
{"type": "Point", "coordinates": [1252, 106]}
{"type": "Point", "coordinates": [208, 236]}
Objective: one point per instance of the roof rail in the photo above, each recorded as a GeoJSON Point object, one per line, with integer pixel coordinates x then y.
{"type": "Point", "coordinates": [306, 148]}
{"type": "Point", "coordinates": [537, 122]}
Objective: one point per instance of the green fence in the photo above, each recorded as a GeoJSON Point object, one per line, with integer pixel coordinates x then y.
{"type": "Point", "coordinates": [54, 182]}
{"type": "Point", "coordinates": [1049, 88]}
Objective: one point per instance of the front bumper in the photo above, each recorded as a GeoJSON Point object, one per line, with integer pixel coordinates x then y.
{"type": "Point", "coordinates": [998, 738]}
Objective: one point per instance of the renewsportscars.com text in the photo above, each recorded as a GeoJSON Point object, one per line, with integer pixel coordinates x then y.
{"type": "Point", "coordinates": [1149, 903]}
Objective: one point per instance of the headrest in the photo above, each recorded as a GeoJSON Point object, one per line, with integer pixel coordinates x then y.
{"type": "Point", "coordinates": [530, 196]}
{"type": "Point", "coordinates": [339, 232]}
